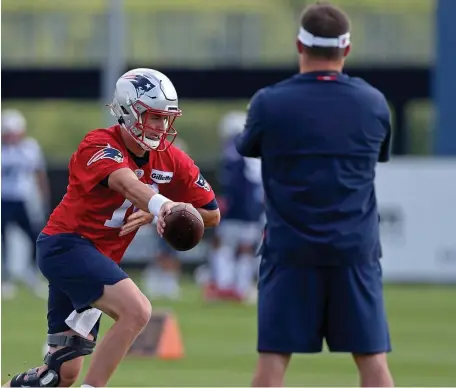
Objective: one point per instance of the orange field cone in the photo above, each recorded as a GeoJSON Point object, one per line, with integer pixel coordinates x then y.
{"type": "Point", "coordinates": [170, 345]}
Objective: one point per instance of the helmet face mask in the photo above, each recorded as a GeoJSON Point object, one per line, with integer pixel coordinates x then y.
{"type": "Point", "coordinates": [145, 104]}
{"type": "Point", "coordinates": [154, 129]}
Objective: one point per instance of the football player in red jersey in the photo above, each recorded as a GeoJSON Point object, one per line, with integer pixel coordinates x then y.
{"type": "Point", "coordinates": [120, 178]}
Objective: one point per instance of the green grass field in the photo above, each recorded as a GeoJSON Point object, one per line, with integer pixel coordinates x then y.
{"type": "Point", "coordinates": [220, 343]}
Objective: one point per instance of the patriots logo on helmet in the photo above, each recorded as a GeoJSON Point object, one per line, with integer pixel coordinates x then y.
{"type": "Point", "coordinates": [201, 182]}
{"type": "Point", "coordinates": [141, 84]}
{"type": "Point", "coordinates": [106, 153]}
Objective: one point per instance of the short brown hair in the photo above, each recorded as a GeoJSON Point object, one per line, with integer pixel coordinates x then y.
{"type": "Point", "coordinates": [325, 20]}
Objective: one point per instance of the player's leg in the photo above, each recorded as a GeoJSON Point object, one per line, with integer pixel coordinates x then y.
{"type": "Point", "coordinates": [203, 275]}
{"type": "Point", "coordinates": [24, 222]}
{"type": "Point", "coordinates": [31, 275]}
{"type": "Point", "coordinates": [210, 284]}
{"type": "Point", "coordinates": [171, 269]}
{"type": "Point", "coordinates": [67, 373]}
{"type": "Point", "coordinates": [291, 303]}
{"type": "Point", "coordinates": [131, 311]}
{"type": "Point", "coordinates": [161, 279]}
{"type": "Point", "coordinates": [222, 257]}
{"type": "Point", "coordinates": [246, 264]}
{"type": "Point", "coordinates": [91, 279]}
{"type": "Point", "coordinates": [356, 320]}
{"type": "Point", "coordinates": [8, 287]}
{"type": "Point", "coordinates": [63, 363]}
{"type": "Point", "coordinates": [270, 370]}
{"type": "Point", "coordinates": [373, 370]}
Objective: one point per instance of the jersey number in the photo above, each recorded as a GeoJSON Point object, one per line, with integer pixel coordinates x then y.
{"type": "Point", "coordinates": [118, 217]}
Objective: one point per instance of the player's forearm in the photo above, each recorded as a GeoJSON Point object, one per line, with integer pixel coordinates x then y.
{"type": "Point", "coordinates": [139, 194]}
{"type": "Point", "coordinates": [125, 182]}
{"type": "Point", "coordinates": [211, 218]}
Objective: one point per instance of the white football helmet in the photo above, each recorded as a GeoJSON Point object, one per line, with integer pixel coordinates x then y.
{"type": "Point", "coordinates": [13, 122]}
{"type": "Point", "coordinates": [140, 93]}
{"type": "Point", "coordinates": [232, 124]}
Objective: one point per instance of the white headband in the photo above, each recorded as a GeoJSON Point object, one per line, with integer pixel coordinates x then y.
{"type": "Point", "coordinates": [309, 40]}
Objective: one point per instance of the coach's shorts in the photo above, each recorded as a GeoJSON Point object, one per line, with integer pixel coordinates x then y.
{"type": "Point", "coordinates": [299, 306]}
{"type": "Point", "coordinates": [77, 273]}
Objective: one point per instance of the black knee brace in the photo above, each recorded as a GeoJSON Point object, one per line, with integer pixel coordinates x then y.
{"type": "Point", "coordinates": [74, 347]}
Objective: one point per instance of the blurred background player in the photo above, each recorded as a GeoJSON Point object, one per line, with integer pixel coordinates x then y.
{"type": "Point", "coordinates": [161, 275]}
{"type": "Point", "coordinates": [25, 193]}
{"type": "Point", "coordinates": [232, 259]}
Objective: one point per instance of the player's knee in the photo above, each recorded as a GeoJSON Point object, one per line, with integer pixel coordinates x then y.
{"type": "Point", "coordinates": [139, 313]}
{"type": "Point", "coordinates": [145, 312]}
{"type": "Point", "coordinates": [125, 303]}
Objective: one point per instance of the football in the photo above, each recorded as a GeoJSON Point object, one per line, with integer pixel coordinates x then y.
{"type": "Point", "coordinates": [184, 227]}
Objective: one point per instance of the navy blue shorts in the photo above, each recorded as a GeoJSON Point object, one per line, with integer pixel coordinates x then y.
{"type": "Point", "coordinates": [77, 273]}
{"type": "Point", "coordinates": [300, 306]}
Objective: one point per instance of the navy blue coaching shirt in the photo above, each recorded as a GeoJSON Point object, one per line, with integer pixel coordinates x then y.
{"type": "Point", "coordinates": [319, 136]}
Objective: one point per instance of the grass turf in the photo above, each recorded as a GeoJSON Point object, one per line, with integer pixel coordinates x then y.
{"type": "Point", "coordinates": [220, 343]}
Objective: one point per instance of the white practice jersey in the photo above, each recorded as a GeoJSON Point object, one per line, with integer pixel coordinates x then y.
{"type": "Point", "coordinates": [19, 165]}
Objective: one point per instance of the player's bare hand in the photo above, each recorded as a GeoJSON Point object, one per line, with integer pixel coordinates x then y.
{"type": "Point", "coordinates": [135, 221]}
{"type": "Point", "coordinates": [164, 211]}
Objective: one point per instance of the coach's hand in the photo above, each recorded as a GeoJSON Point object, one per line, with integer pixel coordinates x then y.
{"type": "Point", "coordinates": [164, 211]}
{"type": "Point", "coordinates": [135, 221]}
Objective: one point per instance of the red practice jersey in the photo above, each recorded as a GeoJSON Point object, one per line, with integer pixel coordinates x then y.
{"type": "Point", "coordinates": [96, 212]}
